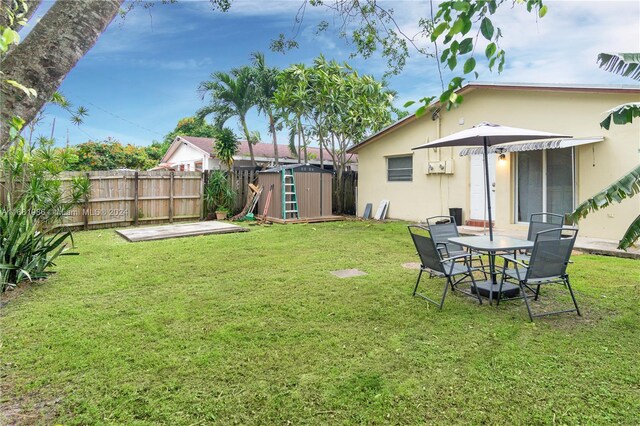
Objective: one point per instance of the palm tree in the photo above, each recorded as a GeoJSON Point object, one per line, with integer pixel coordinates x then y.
{"type": "Point", "coordinates": [626, 64]}
{"type": "Point", "coordinates": [232, 95]}
{"type": "Point", "coordinates": [266, 83]}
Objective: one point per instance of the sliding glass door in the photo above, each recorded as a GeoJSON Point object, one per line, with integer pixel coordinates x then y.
{"type": "Point", "coordinates": [544, 182]}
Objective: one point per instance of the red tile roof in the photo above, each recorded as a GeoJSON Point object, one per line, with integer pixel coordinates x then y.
{"type": "Point", "coordinates": [260, 149]}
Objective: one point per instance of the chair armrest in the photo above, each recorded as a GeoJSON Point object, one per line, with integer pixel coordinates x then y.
{"type": "Point", "coordinates": [443, 245]}
{"type": "Point", "coordinates": [460, 256]}
{"type": "Point", "coordinates": [511, 259]}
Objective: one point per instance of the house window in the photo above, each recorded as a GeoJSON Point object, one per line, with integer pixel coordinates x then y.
{"type": "Point", "coordinates": [545, 182]}
{"type": "Point", "coordinates": [182, 167]}
{"type": "Point", "coordinates": [198, 166]}
{"type": "Point", "coordinates": [400, 169]}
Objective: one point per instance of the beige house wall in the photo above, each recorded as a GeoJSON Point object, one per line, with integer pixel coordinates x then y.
{"type": "Point", "coordinates": [576, 113]}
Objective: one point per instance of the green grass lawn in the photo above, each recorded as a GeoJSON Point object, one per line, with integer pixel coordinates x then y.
{"type": "Point", "coordinates": [251, 328]}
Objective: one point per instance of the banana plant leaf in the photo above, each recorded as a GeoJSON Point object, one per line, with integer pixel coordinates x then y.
{"type": "Point", "coordinates": [631, 235]}
{"type": "Point", "coordinates": [622, 114]}
{"type": "Point", "coordinates": [625, 187]}
{"type": "Point", "coordinates": [625, 64]}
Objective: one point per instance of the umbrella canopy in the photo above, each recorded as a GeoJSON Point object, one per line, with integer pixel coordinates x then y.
{"type": "Point", "coordinates": [487, 134]}
{"type": "Point", "coordinates": [493, 134]}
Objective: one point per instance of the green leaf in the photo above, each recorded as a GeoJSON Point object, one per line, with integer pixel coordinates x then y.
{"type": "Point", "coordinates": [469, 65]}
{"type": "Point", "coordinates": [420, 111]}
{"type": "Point", "coordinates": [631, 235]}
{"type": "Point", "coordinates": [490, 50]}
{"type": "Point", "coordinates": [486, 28]}
{"type": "Point", "coordinates": [444, 55]}
{"type": "Point", "coordinates": [492, 63]}
{"type": "Point", "coordinates": [625, 64]}
{"type": "Point", "coordinates": [467, 25]}
{"type": "Point", "coordinates": [542, 11]}
{"type": "Point", "coordinates": [27, 90]}
{"type": "Point", "coordinates": [466, 45]}
{"type": "Point", "coordinates": [408, 104]}
{"type": "Point", "coordinates": [461, 6]}
{"type": "Point", "coordinates": [622, 114]}
{"type": "Point", "coordinates": [438, 30]}
{"type": "Point", "coordinates": [457, 26]}
{"type": "Point", "coordinates": [452, 62]}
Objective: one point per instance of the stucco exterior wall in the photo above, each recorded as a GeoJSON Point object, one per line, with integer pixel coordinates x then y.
{"type": "Point", "coordinates": [573, 113]}
{"type": "Point", "coordinates": [187, 155]}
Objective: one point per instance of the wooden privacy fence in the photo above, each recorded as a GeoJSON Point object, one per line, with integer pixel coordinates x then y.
{"type": "Point", "coordinates": [120, 198]}
{"type": "Point", "coordinates": [241, 178]}
{"type": "Point", "coordinates": [123, 198]}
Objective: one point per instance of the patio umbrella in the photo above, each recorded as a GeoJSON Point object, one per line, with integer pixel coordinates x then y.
{"type": "Point", "coordinates": [485, 135]}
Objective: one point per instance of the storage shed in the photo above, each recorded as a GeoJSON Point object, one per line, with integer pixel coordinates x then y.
{"type": "Point", "coordinates": [299, 193]}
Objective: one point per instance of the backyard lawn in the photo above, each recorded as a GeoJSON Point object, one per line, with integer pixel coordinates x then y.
{"type": "Point", "coordinates": [251, 328]}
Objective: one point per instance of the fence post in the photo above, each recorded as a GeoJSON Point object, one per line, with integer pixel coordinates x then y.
{"type": "Point", "coordinates": [86, 212]}
{"type": "Point", "coordinates": [135, 198]}
{"type": "Point", "coordinates": [171, 197]}
{"type": "Point", "coordinates": [203, 183]}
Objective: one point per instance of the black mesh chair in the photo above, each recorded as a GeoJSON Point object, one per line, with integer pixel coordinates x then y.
{"type": "Point", "coordinates": [547, 265]}
{"type": "Point", "coordinates": [539, 222]}
{"type": "Point", "coordinates": [444, 227]}
{"type": "Point", "coordinates": [455, 268]}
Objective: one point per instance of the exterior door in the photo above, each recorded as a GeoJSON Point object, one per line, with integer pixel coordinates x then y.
{"type": "Point", "coordinates": [478, 192]}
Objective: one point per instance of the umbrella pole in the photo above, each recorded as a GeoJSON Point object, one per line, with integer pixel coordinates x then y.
{"type": "Point", "coordinates": [486, 182]}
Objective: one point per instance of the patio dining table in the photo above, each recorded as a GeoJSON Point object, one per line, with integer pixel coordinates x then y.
{"type": "Point", "coordinates": [499, 244]}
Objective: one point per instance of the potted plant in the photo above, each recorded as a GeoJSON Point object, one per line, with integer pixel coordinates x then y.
{"type": "Point", "coordinates": [218, 195]}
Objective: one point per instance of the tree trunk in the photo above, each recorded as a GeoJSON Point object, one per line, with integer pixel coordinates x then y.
{"type": "Point", "coordinates": [247, 135]}
{"type": "Point", "coordinates": [4, 19]}
{"type": "Point", "coordinates": [321, 151]}
{"type": "Point", "coordinates": [272, 127]}
{"type": "Point", "coordinates": [56, 44]}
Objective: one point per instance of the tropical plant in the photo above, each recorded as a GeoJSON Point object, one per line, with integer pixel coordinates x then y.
{"type": "Point", "coordinates": [110, 154]}
{"type": "Point", "coordinates": [226, 146]}
{"type": "Point", "coordinates": [218, 194]}
{"type": "Point", "coordinates": [626, 64]}
{"type": "Point", "coordinates": [265, 81]}
{"type": "Point", "coordinates": [334, 105]}
{"type": "Point", "coordinates": [37, 200]}
{"type": "Point", "coordinates": [231, 95]}
{"type": "Point", "coordinates": [25, 250]}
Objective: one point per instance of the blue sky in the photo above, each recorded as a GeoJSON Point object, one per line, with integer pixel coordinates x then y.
{"type": "Point", "coordinates": [142, 75]}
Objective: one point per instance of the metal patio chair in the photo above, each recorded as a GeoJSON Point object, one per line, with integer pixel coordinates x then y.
{"type": "Point", "coordinates": [547, 265]}
{"type": "Point", "coordinates": [444, 227]}
{"type": "Point", "coordinates": [539, 222]}
{"type": "Point", "coordinates": [432, 261]}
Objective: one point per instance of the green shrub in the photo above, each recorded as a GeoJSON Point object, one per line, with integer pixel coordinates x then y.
{"type": "Point", "coordinates": [25, 251]}
{"type": "Point", "coordinates": [218, 194]}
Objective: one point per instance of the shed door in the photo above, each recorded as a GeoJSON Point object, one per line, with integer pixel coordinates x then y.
{"type": "Point", "coordinates": [478, 203]}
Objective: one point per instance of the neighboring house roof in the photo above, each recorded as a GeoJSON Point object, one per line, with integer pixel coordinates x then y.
{"type": "Point", "coordinates": [261, 151]}
{"type": "Point", "coordinates": [503, 86]}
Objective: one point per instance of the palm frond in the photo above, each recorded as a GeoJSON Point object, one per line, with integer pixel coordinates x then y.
{"type": "Point", "coordinates": [622, 114]}
{"type": "Point", "coordinates": [631, 235]}
{"type": "Point", "coordinates": [625, 64]}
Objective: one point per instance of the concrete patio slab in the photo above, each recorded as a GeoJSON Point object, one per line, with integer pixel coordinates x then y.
{"type": "Point", "coordinates": [348, 273]}
{"type": "Point", "coordinates": [150, 233]}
